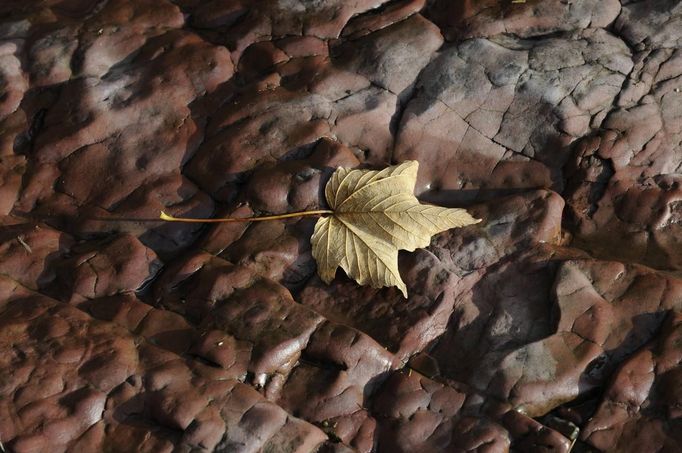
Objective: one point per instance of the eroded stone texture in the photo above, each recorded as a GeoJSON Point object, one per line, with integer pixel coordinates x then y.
{"type": "Point", "coordinates": [641, 408]}
{"type": "Point", "coordinates": [279, 250]}
{"type": "Point", "coordinates": [393, 56]}
{"type": "Point", "coordinates": [217, 295]}
{"type": "Point", "coordinates": [96, 269]}
{"type": "Point", "coordinates": [651, 24]}
{"type": "Point", "coordinates": [340, 370]}
{"type": "Point", "coordinates": [283, 115]}
{"type": "Point", "coordinates": [602, 313]}
{"type": "Point", "coordinates": [240, 23]}
{"type": "Point", "coordinates": [418, 414]}
{"type": "Point", "coordinates": [123, 333]}
{"type": "Point", "coordinates": [69, 376]}
{"type": "Point", "coordinates": [473, 18]}
{"type": "Point", "coordinates": [27, 251]}
{"type": "Point", "coordinates": [414, 322]}
{"type": "Point", "coordinates": [492, 114]}
{"type": "Point", "coordinates": [624, 182]}
{"type": "Point", "coordinates": [122, 130]}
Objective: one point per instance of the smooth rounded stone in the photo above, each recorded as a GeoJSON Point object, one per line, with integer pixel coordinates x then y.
{"type": "Point", "coordinates": [104, 268]}
{"type": "Point", "coordinates": [12, 168]}
{"type": "Point", "coordinates": [56, 399]}
{"type": "Point", "coordinates": [259, 59]}
{"type": "Point", "coordinates": [418, 414]}
{"type": "Point", "coordinates": [393, 56]}
{"type": "Point", "coordinates": [474, 18]}
{"type": "Point", "coordinates": [13, 127]}
{"type": "Point", "coordinates": [640, 408]}
{"type": "Point", "coordinates": [111, 112]}
{"type": "Point", "coordinates": [496, 314]}
{"type": "Point", "coordinates": [335, 447]}
{"type": "Point", "coordinates": [481, 120]}
{"type": "Point", "coordinates": [528, 434]}
{"type": "Point", "coordinates": [509, 225]}
{"type": "Point", "coordinates": [173, 194]}
{"type": "Point", "coordinates": [50, 55]}
{"type": "Point", "coordinates": [217, 347]}
{"type": "Point", "coordinates": [132, 130]}
{"type": "Point", "coordinates": [66, 374]}
{"type": "Point", "coordinates": [84, 39]}
{"type": "Point", "coordinates": [326, 398]}
{"type": "Point", "coordinates": [119, 29]}
{"type": "Point", "coordinates": [144, 100]}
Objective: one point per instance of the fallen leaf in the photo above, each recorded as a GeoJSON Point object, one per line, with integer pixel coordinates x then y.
{"type": "Point", "coordinates": [375, 214]}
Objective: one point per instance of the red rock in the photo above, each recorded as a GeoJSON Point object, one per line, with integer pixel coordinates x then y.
{"type": "Point", "coordinates": [237, 301]}
{"type": "Point", "coordinates": [138, 390]}
{"type": "Point", "coordinates": [479, 120]}
{"type": "Point", "coordinates": [623, 182]}
{"type": "Point", "coordinates": [372, 21]}
{"type": "Point", "coordinates": [122, 332]}
{"type": "Point", "coordinates": [393, 56]}
{"type": "Point", "coordinates": [641, 404]}
{"type": "Point", "coordinates": [417, 413]}
{"type": "Point", "coordinates": [656, 26]}
{"type": "Point", "coordinates": [99, 269]}
{"type": "Point", "coordinates": [26, 250]}
{"type": "Point", "coordinates": [470, 18]}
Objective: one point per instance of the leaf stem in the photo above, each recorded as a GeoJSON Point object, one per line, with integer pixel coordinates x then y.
{"type": "Point", "coordinates": [170, 218]}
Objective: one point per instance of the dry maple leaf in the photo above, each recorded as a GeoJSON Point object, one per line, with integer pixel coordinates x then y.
{"type": "Point", "coordinates": [375, 214]}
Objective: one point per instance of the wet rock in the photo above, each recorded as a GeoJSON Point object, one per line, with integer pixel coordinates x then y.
{"type": "Point", "coordinates": [11, 170]}
{"type": "Point", "coordinates": [279, 250]}
{"type": "Point", "coordinates": [27, 251]}
{"type": "Point", "coordinates": [414, 322]}
{"type": "Point", "coordinates": [372, 21]}
{"type": "Point", "coordinates": [641, 405]}
{"type": "Point", "coordinates": [13, 83]}
{"type": "Point", "coordinates": [341, 369]}
{"type": "Point", "coordinates": [307, 99]}
{"type": "Point", "coordinates": [121, 332]}
{"type": "Point", "coordinates": [242, 23]}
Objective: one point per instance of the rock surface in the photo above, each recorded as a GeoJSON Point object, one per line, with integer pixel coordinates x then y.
{"type": "Point", "coordinates": [553, 325]}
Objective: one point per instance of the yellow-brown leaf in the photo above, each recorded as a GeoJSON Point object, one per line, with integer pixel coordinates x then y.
{"type": "Point", "coordinates": [375, 215]}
